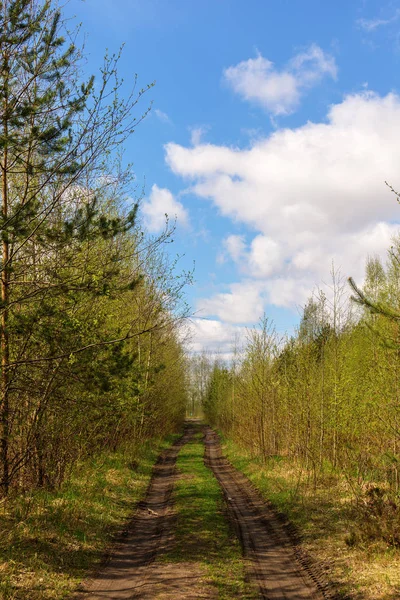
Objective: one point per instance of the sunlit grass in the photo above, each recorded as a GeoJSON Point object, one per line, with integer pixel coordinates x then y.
{"type": "Point", "coordinates": [49, 541]}
{"type": "Point", "coordinates": [324, 516]}
{"type": "Point", "coordinates": [203, 535]}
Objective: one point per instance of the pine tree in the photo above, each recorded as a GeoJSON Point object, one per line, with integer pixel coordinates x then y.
{"type": "Point", "coordinates": [55, 136]}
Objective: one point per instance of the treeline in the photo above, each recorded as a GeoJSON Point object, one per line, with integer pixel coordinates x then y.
{"type": "Point", "coordinates": [90, 308]}
{"type": "Point", "coordinates": [327, 398]}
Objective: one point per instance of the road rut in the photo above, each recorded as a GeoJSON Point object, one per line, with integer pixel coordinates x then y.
{"type": "Point", "coordinates": [274, 564]}
{"type": "Point", "coordinates": [273, 561]}
{"type": "Point", "coordinates": [126, 573]}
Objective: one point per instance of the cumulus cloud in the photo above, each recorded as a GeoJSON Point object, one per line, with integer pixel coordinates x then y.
{"type": "Point", "coordinates": [260, 260]}
{"type": "Point", "coordinates": [311, 194]}
{"type": "Point", "coordinates": [235, 246]}
{"type": "Point", "coordinates": [242, 304]}
{"type": "Point", "coordinates": [215, 337]}
{"type": "Point", "coordinates": [161, 202]}
{"type": "Point", "coordinates": [279, 91]}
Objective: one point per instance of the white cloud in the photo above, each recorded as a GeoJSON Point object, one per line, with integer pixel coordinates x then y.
{"type": "Point", "coordinates": [164, 118]}
{"type": "Point", "coordinates": [235, 246]}
{"type": "Point", "coordinates": [290, 291]}
{"type": "Point", "coordinates": [277, 91]}
{"type": "Point", "coordinates": [161, 202]}
{"type": "Point", "coordinates": [372, 24]}
{"type": "Point", "coordinates": [310, 66]}
{"type": "Point", "coordinates": [262, 259]}
{"type": "Point", "coordinates": [242, 304]}
{"type": "Point", "coordinates": [311, 194]}
{"type": "Point", "coordinates": [197, 133]}
{"type": "Point", "coordinates": [215, 337]}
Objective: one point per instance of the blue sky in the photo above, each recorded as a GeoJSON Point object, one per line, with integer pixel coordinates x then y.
{"type": "Point", "coordinates": [274, 126]}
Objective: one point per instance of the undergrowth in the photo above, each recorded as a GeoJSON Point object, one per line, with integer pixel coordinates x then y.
{"type": "Point", "coordinates": [378, 517]}
{"type": "Point", "coordinates": [342, 534]}
{"type": "Point", "coordinates": [50, 540]}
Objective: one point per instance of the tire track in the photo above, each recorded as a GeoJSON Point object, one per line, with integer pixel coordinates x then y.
{"type": "Point", "coordinates": [126, 572]}
{"type": "Point", "coordinates": [275, 563]}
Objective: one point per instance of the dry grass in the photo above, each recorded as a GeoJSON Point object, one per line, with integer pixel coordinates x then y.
{"type": "Point", "coordinates": [50, 541]}
{"type": "Point", "coordinates": [325, 516]}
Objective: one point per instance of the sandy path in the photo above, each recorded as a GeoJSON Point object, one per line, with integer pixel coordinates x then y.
{"type": "Point", "coordinates": [273, 561]}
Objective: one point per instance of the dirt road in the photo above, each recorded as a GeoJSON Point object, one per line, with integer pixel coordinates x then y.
{"type": "Point", "coordinates": [132, 572]}
{"type": "Point", "coordinates": [126, 573]}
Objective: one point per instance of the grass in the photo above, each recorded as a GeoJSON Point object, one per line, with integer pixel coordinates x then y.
{"type": "Point", "coordinates": [324, 516]}
{"type": "Point", "coordinates": [50, 541]}
{"type": "Point", "coordinates": [203, 535]}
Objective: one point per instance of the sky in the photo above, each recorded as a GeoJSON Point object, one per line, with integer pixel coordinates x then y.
{"type": "Point", "coordinates": [273, 129]}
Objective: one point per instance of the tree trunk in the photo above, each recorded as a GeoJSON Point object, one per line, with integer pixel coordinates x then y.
{"type": "Point", "coordinates": [5, 346]}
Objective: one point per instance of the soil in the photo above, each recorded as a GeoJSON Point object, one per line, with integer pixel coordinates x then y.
{"type": "Point", "coordinates": [129, 572]}
{"type": "Point", "coordinates": [274, 562]}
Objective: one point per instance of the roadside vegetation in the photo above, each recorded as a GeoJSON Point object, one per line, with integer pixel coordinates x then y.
{"type": "Point", "coordinates": [93, 371]}
{"type": "Point", "coordinates": [315, 420]}
{"type": "Point", "coordinates": [91, 308]}
{"type": "Point", "coordinates": [49, 540]}
{"type": "Point", "coordinates": [324, 518]}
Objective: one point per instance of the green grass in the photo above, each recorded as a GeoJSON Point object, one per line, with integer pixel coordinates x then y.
{"type": "Point", "coordinates": [50, 541]}
{"type": "Point", "coordinates": [324, 516]}
{"type": "Point", "coordinates": [203, 535]}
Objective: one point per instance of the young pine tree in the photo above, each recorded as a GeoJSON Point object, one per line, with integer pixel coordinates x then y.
{"type": "Point", "coordinates": [54, 134]}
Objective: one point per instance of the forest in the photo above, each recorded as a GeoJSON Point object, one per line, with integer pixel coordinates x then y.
{"type": "Point", "coordinates": [90, 304]}
{"type": "Point", "coordinates": [326, 399]}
